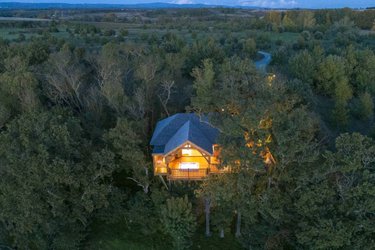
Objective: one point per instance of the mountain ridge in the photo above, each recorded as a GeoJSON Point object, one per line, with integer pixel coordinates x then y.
{"type": "Point", "coordinates": [155, 5]}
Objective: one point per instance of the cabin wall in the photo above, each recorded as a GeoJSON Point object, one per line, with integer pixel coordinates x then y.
{"type": "Point", "coordinates": [188, 164]}
{"type": "Point", "coordinates": [160, 166]}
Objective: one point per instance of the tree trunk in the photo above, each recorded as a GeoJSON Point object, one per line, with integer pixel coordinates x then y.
{"type": "Point", "coordinates": [146, 188]}
{"type": "Point", "coordinates": [207, 204]}
{"type": "Point", "coordinates": [238, 224]}
{"type": "Point", "coordinates": [222, 233]}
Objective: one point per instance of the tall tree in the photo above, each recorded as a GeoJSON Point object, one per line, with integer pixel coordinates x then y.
{"type": "Point", "coordinates": [66, 79]}
{"type": "Point", "coordinates": [179, 221]}
{"type": "Point", "coordinates": [128, 146]}
{"type": "Point", "coordinates": [303, 66]}
{"type": "Point", "coordinates": [336, 206]}
{"type": "Point", "coordinates": [331, 71]}
{"type": "Point", "coordinates": [18, 86]}
{"type": "Point", "coordinates": [343, 93]}
{"type": "Point", "coordinates": [54, 181]}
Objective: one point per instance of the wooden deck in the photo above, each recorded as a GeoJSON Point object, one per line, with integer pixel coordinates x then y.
{"type": "Point", "coordinates": [193, 167]}
{"type": "Point", "coordinates": [187, 174]}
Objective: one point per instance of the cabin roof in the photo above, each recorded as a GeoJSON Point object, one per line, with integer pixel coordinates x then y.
{"type": "Point", "coordinates": [176, 130]}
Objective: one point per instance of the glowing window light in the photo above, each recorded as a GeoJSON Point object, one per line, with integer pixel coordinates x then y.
{"type": "Point", "coordinates": [186, 152]}
{"type": "Point", "coordinates": [189, 165]}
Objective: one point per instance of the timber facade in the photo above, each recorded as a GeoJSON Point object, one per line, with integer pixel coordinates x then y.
{"type": "Point", "coordinates": [184, 148]}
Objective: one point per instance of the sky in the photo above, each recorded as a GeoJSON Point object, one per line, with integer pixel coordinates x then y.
{"type": "Point", "coordinates": [260, 3]}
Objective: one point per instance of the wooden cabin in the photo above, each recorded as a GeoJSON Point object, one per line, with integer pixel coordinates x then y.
{"type": "Point", "coordinates": [184, 148]}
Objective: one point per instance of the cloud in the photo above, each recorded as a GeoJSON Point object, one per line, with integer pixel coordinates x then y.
{"type": "Point", "coordinates": [270, 3]}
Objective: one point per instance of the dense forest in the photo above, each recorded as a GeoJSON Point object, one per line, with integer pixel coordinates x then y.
{"type": "Point", "coordinates": [82, 90]}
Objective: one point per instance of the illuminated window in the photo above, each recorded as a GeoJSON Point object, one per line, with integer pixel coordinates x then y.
{"type": "Point", "coordinates": [186, 152]}
{"type": "Point", "coordinates": [189, 165]}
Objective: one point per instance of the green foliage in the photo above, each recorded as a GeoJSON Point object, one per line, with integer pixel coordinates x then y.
{"type": "Point", "coordinates": [127, 145]}
{"type": "Point", "coordinates": [331, 71]}
{"type": "Point", "coordinates": [343, 93]}
{"type": "Point", "coordinates": [235, 78]}
{"type": "Point", "coordinates": [337, 203]}
{"type": "Point", "coordinates": [4, 115]}
{"type": "Point", "coordinates": [204, 85]}
{"type": "Point", "coordinates": [303, 66]}
{"type": "Point", "coordinates": [364, 71]}
{"type": "Point", "coordinates": [250, 47]}
{"type": "Point", "coordinates": [18, 86]}
{"type": "Point", "coordinates": [288, 23]}
{"type": "Point", "coordinates": [82, 177]}
{"type": "Point", "coordinates": [201, 50]}
{"type": "Point", "coordinates": [365, 109]}
{"type": "Point", "coordinates": [306, 19]}
{"type": "Point", "coordinates": [221, 190]}
{"type": "Point", "coordinates": [54, 181]}
{"type": "Point", "coordinates": [179, 221]}
{"type": "Point", "coordinates": [344, 32]}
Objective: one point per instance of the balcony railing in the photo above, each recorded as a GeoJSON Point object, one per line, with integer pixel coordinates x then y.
{"type": "Point", "coordinates": [188, 174]}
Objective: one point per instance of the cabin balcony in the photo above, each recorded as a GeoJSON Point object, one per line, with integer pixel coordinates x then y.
{"type": "Point", "coordinates": [188, 174]}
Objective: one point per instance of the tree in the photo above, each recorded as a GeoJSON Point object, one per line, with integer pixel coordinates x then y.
{"type": "Point", "coordinates": [331, 71]}
{"type": "Point", "coordinates": [303, 66]}
{"type": "Point", "coordinates": [65, 79]}
{"type": "Point", "coordinates": [366, 106]}
{"type": "Point", "coordinates": [126, 143]}
{"type": "Point", "coordinates": [232, 83]}
{"type": "Point", "coordinates": [18, 86]}
{"type": "Point", "coordinates": [54, 181]}
{"type": "Point", "coordinates": [112, 67]}
{"type": "Point", "coordinates": [4, 115]}
{"type": "Point", "coordinates": [165, 95]}
{"type": "Point", "coordinates": [336, 205]}
{"type": "Point", "coordinates": [288, 23]}
{"type": "Point", "coordinates": [270, 144]}
{"type": "Point", "coordinates": [179, 221]}
{"type": "Point", "coordinates": [343, 93]}
{"type": "Point", "coordinates": [268, 139]}
{"type": "Point", "coordinates": [220, 191]}
{"type": "Point", "coordinates": [364, 72]}
{"type": "Point", "coordinates": [250, 47]}
{"type": "Point", "coordinates": [200, 50]}
{"type": "Point", "coordinates": [273, 18]}
{"type": "Point", "coordinates": [344, 32]}
{"type": "Point", "coordinates": [203, 85]}
{"type": "Point", "coordinates": [306, 19]}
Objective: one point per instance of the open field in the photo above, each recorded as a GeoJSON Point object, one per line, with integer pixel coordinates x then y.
{"type": "Point", "coordinates": [24, 19]}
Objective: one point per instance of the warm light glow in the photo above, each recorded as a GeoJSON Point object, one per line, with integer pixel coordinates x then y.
{"type": "Point", "coordinates": [265, 123]}
{"type": "Point", "coordinates": [188, 165]}
{"type": "Point", "coordinates": [270, 79]}
{"type": "Point", "coordinates": [186, 152]}
{"type": "Point", "coordinates": [268, 157]}
{"type": "Point", "coordinates": [269, 139]}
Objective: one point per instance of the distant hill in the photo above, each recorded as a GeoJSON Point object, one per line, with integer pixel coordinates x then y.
{"type": "Point", "coordinates": [17, 5]}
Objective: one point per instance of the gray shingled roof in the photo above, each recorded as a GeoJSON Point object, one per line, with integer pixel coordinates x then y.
{"type": "Point", "coordinates": [175, 130]}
